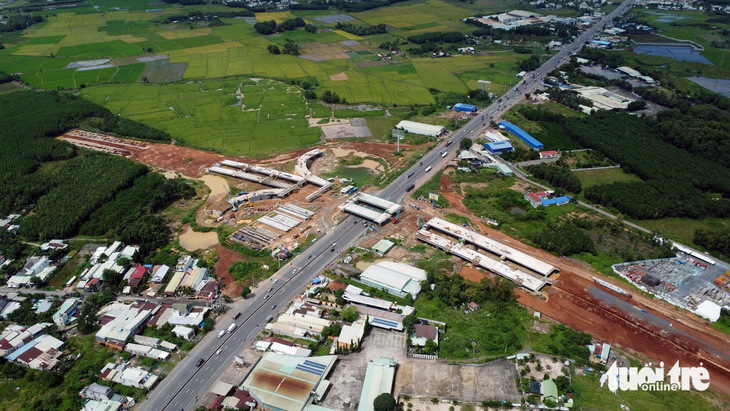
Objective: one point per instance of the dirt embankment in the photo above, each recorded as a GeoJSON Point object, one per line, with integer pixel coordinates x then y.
{"type": "Point", "coordinates": [227, 257]}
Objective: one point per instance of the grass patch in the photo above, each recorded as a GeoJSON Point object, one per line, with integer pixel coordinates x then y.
{"type": "Point", "coordinates": [592, 396]}
{"type": "Point", "coordinates": [432, 186]}
{"type": "Point", "coordinates": [590, 178]}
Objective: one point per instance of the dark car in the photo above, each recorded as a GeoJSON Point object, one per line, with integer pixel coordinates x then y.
{"type": "Point", "coordinates": [237, 315]}
{"type": "Point", "coordinates": [200, 362]}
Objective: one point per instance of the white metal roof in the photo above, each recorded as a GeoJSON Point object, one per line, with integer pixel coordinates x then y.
{"type": "Point", "coordinates": [413, 272]}
{"type": "Point", "coordinates": [420, 128]}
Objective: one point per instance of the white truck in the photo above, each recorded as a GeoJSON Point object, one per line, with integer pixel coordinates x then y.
{"type": "Point", "coordinates": [231, 327]}
{"type": "Point", "coordinates": [222, 333]}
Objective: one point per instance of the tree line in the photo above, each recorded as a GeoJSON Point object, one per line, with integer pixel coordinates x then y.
{"type": "Point", "coordinates": [270, 27]}
{"type": "Point", "coordinates": [362, 30]}
{"type": "Point", "coordinates": [557, 176]}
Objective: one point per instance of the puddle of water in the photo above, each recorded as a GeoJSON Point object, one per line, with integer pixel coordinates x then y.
{"type": "Point", "coordinates": [192, 241]}
{"type": "Point", "coordinates": [218, 187]}
{"type": "Point", "coordinates": [683, 53]}
{"type": "Point", "coordinates": [719, 86]}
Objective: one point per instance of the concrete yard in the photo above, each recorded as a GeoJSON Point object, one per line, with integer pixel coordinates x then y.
{"type": "Point", "coordinates": [468, 383]}
{"type": "Point", "coordinates": [349, 373]}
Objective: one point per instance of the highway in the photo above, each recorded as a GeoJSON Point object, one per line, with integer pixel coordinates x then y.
{"type": "Point", "coordinates": [187, 383]}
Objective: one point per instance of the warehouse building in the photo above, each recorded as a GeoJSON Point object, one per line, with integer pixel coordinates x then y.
{"type": "Point", "coordinates": [499, 146]}
{"type": "Point", "coordinates": [383, 246]}
{"type": "Point", "coordinates": [396, 278]}
{"type": "Point", "coordinates": [467, 108]}
{"type": "Point", "coordinates": [421, 128]}
{"type": "Point", "coordinates": [282, 382]}
{"type": "Point", "coordinates": [521, 134]}
{"type": "Point", "coordinates": [379, 378]}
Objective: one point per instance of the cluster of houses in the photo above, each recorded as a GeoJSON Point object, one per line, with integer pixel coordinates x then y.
{"type": "Point", "coordinates": [121, 323]}
{"type": "Point", "coordinates": [7, 223]}
{"type": "Point", "coordinates": [36, 270]}
{"type": "Point", "coordinates": [31, 346]}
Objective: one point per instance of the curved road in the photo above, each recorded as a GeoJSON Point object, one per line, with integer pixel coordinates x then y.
{"type": "Point", "coordinates": [187, 383]}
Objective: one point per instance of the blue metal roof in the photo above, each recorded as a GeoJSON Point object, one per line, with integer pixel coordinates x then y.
{"type": "Point", "coordinates": [464, 107]}
{"type": "Point", "coordinates": [311, 367]}
{"type": "Point", "coordinates": [384, 322]}
{"type": "Point", "coordinates": [499, 146]}
{"type": "Point", "coordinates": [556, 200]}
{"type": "Point", "coordinates": [530, 140]}
{"type": "Point", "coordinates": [601, 43]}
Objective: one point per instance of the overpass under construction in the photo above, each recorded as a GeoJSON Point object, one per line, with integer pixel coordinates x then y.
{"type": "Point", "coordinates": [376, 209]}
{"type": "Point", "coordinates": [283, 183]}
{"type": "Point", "coordinates": [521, 278]}
{"type": "Point", "coordinates": [503, 251]}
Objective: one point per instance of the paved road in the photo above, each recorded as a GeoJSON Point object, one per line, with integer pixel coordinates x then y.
{"type": "Point", "coordinates": [187, 382]}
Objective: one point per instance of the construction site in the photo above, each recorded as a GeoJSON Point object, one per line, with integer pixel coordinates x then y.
{"type": "Point", "coordinates": [685, 281]}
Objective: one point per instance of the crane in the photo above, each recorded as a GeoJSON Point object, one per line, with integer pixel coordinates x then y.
{"type": "Point", "coordinates": [397, 214]}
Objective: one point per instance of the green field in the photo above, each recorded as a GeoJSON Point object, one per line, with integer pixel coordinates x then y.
{"type": "Point", "coordinates": [236, 49]}
{"type": "Point", "coordinates": [593, 397]}
{"type": "Point", "coordinates": [207, 115]}
{"type": "Point", "coordinates": [606, 176]}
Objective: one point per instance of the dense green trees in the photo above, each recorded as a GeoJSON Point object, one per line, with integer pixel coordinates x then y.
{"type": "Point", "coordinates": [362, 30]}
{"type": "Point", "coordinates": [532, 63]}
{"type": "Point", "coordinates": [438, 37]}
{"type": "Point", "coordinates": [350, 314]}
{"type": "Point", "coordinates": [714, 240]}
{"type": "Point", "coordinates": [557, 176]}
{"type": "Point", "coordinates": [149, 193]}
{"type": "Point", "coordinates": [80, 186]}
{"type": "Point", "coordinates": [564, 239]}
{"type": "Point", "coordinates": [270, 27]}
{"type": "Point", "coordinates": [569, 343]}
{"type": "Point", "coordinates": [677, 182]}
{"type": "Point", "coordinates": [330, 97]}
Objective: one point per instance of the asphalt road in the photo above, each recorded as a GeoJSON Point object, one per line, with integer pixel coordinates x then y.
{"type": "Point", "coordinates": [187, 382]}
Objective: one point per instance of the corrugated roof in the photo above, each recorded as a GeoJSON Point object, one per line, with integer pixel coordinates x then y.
{"type": "Point", "coordinates": [379, 378]}
{"type": "Point", "coordinates": [284, 382]}
{"type": "Point", "coordinates": [531, 141]}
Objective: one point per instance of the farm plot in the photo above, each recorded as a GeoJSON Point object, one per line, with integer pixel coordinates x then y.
{"type": "Point", "coordinates": [208, 115]}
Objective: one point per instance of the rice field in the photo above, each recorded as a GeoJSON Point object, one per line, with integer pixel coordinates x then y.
{"type": "Point", "coordinates": [207, 115]}
{"type": "Point", "coordinates": [235, 49]}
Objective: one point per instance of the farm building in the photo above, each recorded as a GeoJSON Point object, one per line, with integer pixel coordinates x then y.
{"type": "Point", "coordinates": [521, 134]}
{"type": "Point", "coordinates": [506, 171]}
{"type": "Point", "coordinates": [379, 378]}
{"type": "Point", "coordinates": [467, 108]}
{"type": "Point", "coordinates": [549, 390]}
{"type": "Point", "coordinates": [383, 246]}
{"type": "Point", "coordinates": [543, 198]}
{"type": "Point", "coordinates": [628, 71]}
{"type": "Point", "coordinates": [395, 278]}
{"type": "Point", "coordinates": [549, 154]}
{"type": "Point", "coordinates": [421, 128]}
{"type": "Point", "coordinates": [499, 146]}
{"type": "Point", "coordinates": [298, 380]}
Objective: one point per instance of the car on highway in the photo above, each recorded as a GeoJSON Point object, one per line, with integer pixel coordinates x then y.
{"type": "Point", "coordinates": [222, 333]}
{"type": "Point", "coordinates": [237, 315]}
{"type": "Point", "coordinates": [446, 152]}
{"type": "Point", "coordinates": [270, 289]}
{"type": "Point", "coordinates": [276, 279]}
{"type": "Point", "coordinates": [273, 307]}
{"type": "Point", "coordinates": [266, 296]}
{"type": "Point", "coordinates": [200, 362]}
{"type": "Point", "coordinates": [427, 169]}
{"type": "Point", "coordinates": [420, 163]}
{"type": "Point", "coordinates": [409, 175]}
